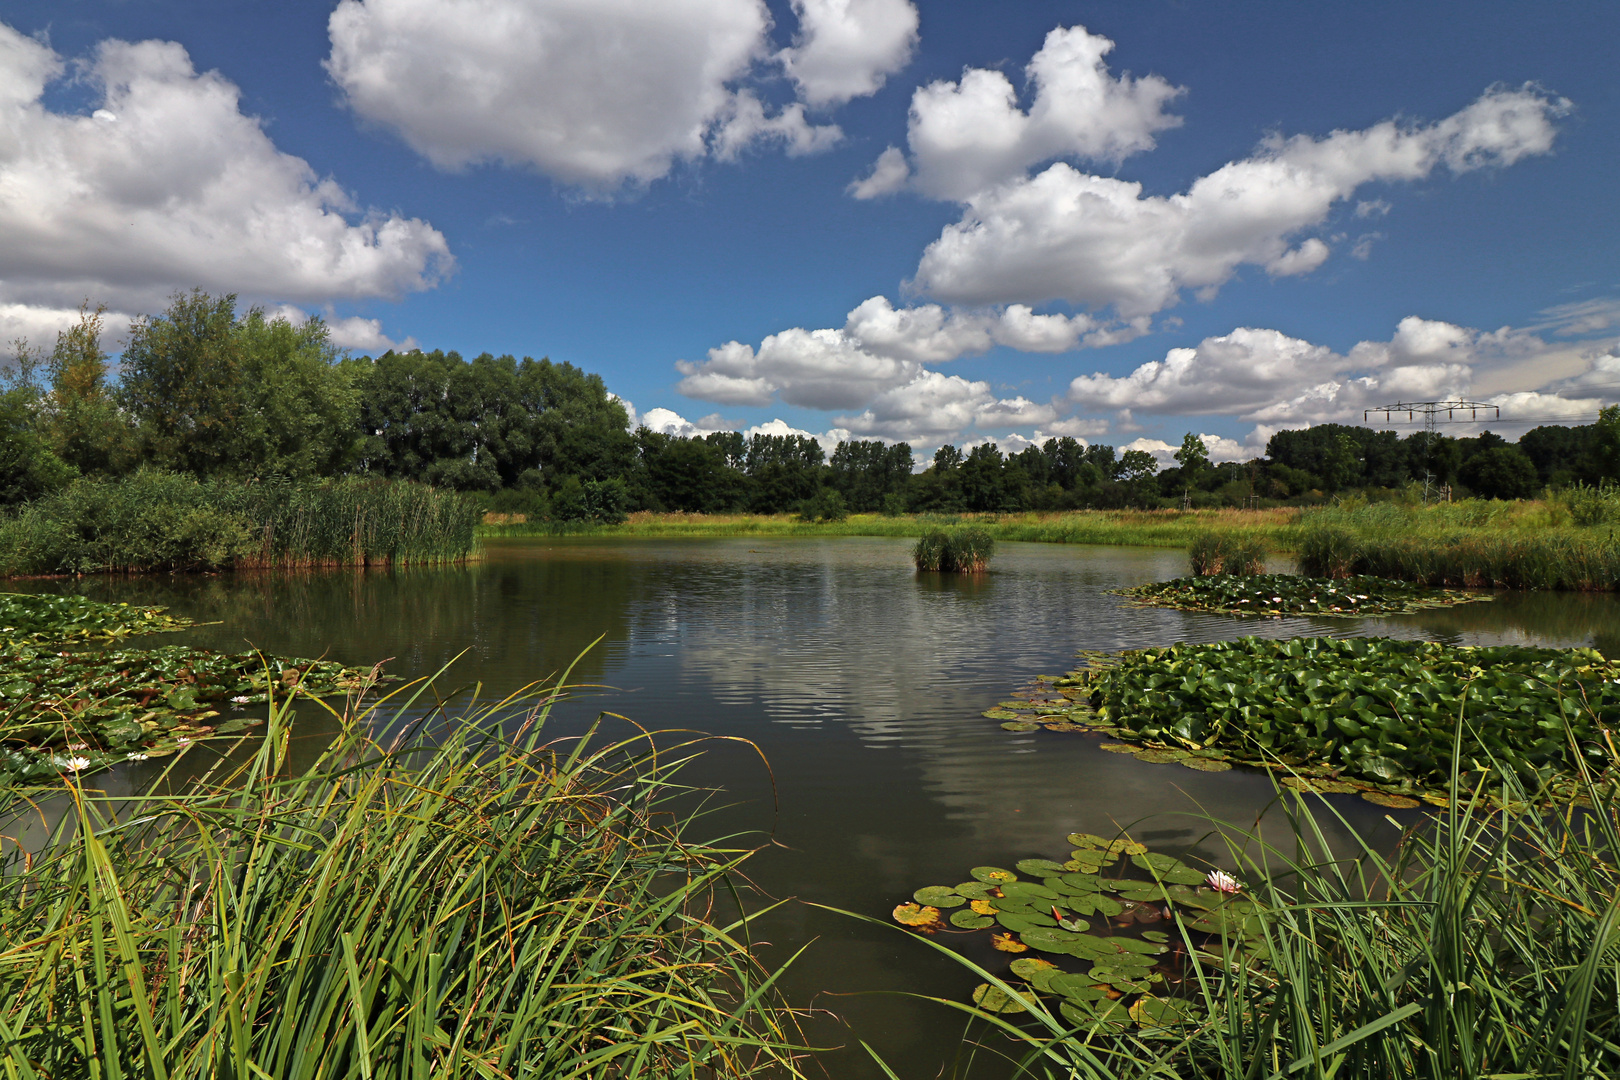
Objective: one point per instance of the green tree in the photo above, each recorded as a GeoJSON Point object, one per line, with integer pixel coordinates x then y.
{"type": "Point", "coordinates": [79, 418]}
{"type": "Point", "coordinates": [1193, 457]}
{"type": "Point", "coordinates": [1606, 442]}
{"type": "Point", "coordinates": [29, 467]}
{"type": "Point", "coordinates": [1500, 472]}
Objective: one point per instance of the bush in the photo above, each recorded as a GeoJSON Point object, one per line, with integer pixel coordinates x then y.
{"type": "Point", "coordinates": [825, 505]}
{"type": "Point", "coordinates": [954, 551]}
{"type": "Point", "coordinates": [1588, 505]}
{"type": "Point", "coordinates": [1224, 553]}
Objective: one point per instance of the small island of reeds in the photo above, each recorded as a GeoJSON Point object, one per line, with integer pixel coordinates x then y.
{"type": "Point", "coordinates": [954, 550]}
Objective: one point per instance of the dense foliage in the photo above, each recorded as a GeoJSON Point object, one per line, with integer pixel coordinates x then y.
{"type": "Point", "coordinates": [955, 550]}
{"type": "Point", "coordinates": [43, 619]}
{"type": "Point", "coordinates": [169, 521]}
{"type": "Point", "coordinates": [210, 391]}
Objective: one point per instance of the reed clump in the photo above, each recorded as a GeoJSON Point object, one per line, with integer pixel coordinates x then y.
{"type": "Point", "coordinates": [455, 902]}
{"type": "Point", "coordinates": [1486, 944]}
{"type": "Point", "coordinates": [954, 550]}
{"type": "Point", "coordinates": [1569, 560]}
{"type": "Point", "coordinates": [155, 521]}
{"type": "Point", "coordinates": [1234, 554]}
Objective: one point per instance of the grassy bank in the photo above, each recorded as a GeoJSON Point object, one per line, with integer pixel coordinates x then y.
{"type": "Point", "coordinates": [164, 521]}
{"type": "Point", "coordinates": [1146, 528]}
{"type": "Point", "coordinates": [469, 904]}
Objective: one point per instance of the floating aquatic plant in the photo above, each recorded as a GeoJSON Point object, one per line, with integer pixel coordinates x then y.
{"type": "Point", "coordinates": [1084, 932]}
{"type": "Point", "coordinates": [1277, 595]}
{"type": "Point", "coordinates": [1370, 715]}
{"type": "Point", "coordinates": [118, 703]}
{"type": "Point", "coordinates": [43, 619]}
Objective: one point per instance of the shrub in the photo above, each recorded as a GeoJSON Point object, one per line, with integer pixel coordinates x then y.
{"type": "Point", "coordinates": [825, 505]}
{"type": "Point", "coordinates": [964, 550]}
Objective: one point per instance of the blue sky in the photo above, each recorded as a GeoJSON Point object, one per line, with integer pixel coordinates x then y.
{"type": "Point", "coordinates": [1336, 206]}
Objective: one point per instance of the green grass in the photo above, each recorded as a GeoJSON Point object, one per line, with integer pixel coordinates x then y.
{"type": "Point", "coordinates": [1486, 945]}
{"type": "Point", "coordinates": [467, 899]}
{"type": "Point", "coordinates": [1146, 528]}
{"type": "Point", "coordinates": [163, 521]}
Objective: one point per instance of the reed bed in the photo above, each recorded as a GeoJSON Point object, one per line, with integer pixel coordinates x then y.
{"type": "Point", "coordinates": [1214, 553]}
{"type": "Point", "coordinates": [959, 550]}
{"type": "Point", "coordinates": [163, 521]}
{"type": "Point", "coordinates": [1570, 560]}
{"type": "Point", "coordinates": [1486, 945]}
{"type": "Point", "coordinates": [455, 902]}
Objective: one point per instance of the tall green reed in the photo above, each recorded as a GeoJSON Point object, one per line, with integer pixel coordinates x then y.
{"type": "Point", "coordinates": [464, 899]}
{"type": "Point", "coordinates": [1213, 553]}
{"type": "Point", "coordinates": [165, 521]}
{"type": "Point", "coordinates": [1486, 945]}
{"type": "Point", "coordinates": [954, 550]}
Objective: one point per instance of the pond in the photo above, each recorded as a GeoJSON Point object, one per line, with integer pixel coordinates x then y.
{"type": "Point", "coordinates": [861, 682]}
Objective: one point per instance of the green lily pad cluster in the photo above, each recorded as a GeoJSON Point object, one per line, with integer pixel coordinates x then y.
{"type": "Point", "coordinates": [64, 712]}
{"type": "Point", "coordinates": [1277, 595]}
{"type": "Point", "coordinates": [35, 619]}
{"type": "Point", "coordinates": [1106, 938]}
{"type": "Point", "coordinates": [1370, 715]}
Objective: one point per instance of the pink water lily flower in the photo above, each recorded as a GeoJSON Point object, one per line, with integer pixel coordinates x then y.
{"type": "Point", "coordinates": [1221, 881]}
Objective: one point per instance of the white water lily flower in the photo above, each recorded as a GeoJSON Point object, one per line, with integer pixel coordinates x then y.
{"type": "Point", "coordinates": [78, 746]}
{"type": "Point", "coordinates": [1276, 599]}
{"type": "Point", "coordinates": [1221, 881]}
{"type": "Point", "coordinates": [135, 757]}
{"type": "Point", "coordinates": [74, 764]}
{"type": "Point", "coordinates": [241, 699]}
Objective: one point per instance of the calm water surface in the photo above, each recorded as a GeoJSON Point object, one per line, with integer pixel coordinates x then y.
{"type": "Point", "coordinates": [861, 681]}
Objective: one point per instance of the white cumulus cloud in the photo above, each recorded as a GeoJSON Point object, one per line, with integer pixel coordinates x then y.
{"type": "Point", "coordinates": [847, 48]}
{"type": "Point", "coordinates": [1094, 241]}
{"type": "Point", "coordinates": [169, 185]}
{"type": "Point", "coordinates": [970, 135]}
{"type": "Point", "coordinates": [596, 94]}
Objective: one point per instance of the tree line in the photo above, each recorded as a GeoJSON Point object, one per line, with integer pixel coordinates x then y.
{"type": "Point", "coordinates": [215, 392]}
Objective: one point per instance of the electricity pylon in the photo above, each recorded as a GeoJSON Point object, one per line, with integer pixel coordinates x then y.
{"type": "Point", "coordinates": [1431, 411]}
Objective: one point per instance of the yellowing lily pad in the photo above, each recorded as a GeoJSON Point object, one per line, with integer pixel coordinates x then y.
{"type": "Point", "coordinates": [1205, 764]}
{"type": "Point", "coordinates": [1394, 802]}
{"type": "Point", "coordinates": [1007, 943]}
{"type": "Point", "coordinates": [917, 916]}
{"type": "Point", "coordinates": [993, 875]}
{"type": "Point", "coordinates": [994, 999]}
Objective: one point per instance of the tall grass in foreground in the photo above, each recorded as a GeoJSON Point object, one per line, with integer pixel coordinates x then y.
{"type": "Point", "coordinates": [961, 550]}
{"type": "Point", "coordinates": [473, 905]}
{"type": "Point", "coordinates": [1487, 945]}
{"type": "Point", "coordinates": [164, 521]}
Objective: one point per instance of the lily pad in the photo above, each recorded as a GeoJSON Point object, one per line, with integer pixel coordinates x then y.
{"type": "Point", "coordinates": [939, 896]}
{"type": "Point", "coordinates": [1022, 921]}
{"type": "Point", "coordinates": [1038, 867]}
{"type": "Point", "coordinates": [1206, 764]}
{"type": "Point", "coordinates": [1394, 802]}
{"type": "Point", "coordinates": [1007, 943]}
{"type": "Point", "coordinates": [1117, 748]}
{"type": "Point", "coordinates": [999, 714]}
{"type": "Point", "coordinates": [973, 890]}
{"type": "Point", "coordinates": [993, 875]}
{"type": "Point", "coordinates": [971, 920]}
{"type": "Point", "coordinates": [1035, 970]}
{"type": "Point", "coordinates": [996, 1000]}
{"type": "Point", "coordinates": [1160, 757]}
{"type": "Point", "coordinates": [1157, 1012]}
{"type": "Point", "coordinates": [1027, 891]}
{"type": "Point", "coordinates": [1169, 870]}
{"type": "Point", "coordinates": [916, 916]}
